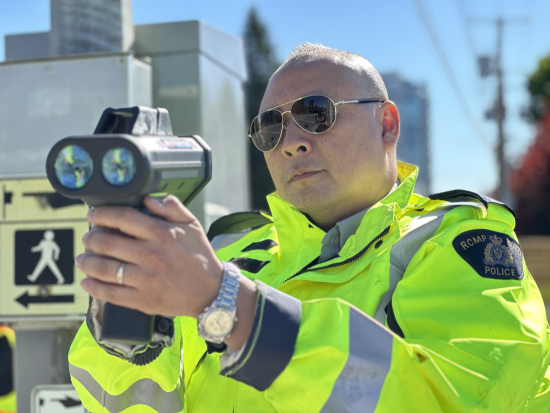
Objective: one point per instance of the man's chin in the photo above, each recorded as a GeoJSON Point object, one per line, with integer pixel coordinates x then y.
{"type": "Point", "coordinates": [310, 194]}
{"type": "Point", "coordinates": [310, 203]}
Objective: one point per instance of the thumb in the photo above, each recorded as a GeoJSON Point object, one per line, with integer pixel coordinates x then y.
{"type": "Point", "coordinates": [170, 208]}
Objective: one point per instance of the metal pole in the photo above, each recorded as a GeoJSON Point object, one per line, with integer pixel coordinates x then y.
{"type": "Point", "coordinates": [500, 113]}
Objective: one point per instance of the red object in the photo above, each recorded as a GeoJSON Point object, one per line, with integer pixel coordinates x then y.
{"type": "Point", "coordinates": [531, 185]}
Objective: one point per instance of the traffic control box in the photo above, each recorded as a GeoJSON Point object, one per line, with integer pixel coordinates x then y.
{"type": "Point", "coordinates": [40, 235]}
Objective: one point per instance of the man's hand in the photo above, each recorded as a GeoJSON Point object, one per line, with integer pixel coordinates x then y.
{"type": "Point", "coordinates": [170, 268]}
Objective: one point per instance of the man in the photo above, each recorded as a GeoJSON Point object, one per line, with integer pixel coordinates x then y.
{"type": "Point", "coordinates": [350, 249]}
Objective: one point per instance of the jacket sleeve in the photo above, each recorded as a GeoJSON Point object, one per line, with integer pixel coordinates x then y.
{"type": "Point", "coordinates": [109, 384]}
{"type": "Point", "coordinates": [471, 342]}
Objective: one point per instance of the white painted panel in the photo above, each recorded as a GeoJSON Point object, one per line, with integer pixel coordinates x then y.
{"type": "Point", "coordinates": [44, 101]}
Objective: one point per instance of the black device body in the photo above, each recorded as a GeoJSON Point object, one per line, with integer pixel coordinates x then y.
{"type": "Point", "coordinates": [163, 163]}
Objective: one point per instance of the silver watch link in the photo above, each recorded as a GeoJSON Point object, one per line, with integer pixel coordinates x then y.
{"type": "Point", "coordinates": [217, 321]}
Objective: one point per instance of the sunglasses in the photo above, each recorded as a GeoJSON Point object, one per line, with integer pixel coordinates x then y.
{"type": "Point", "coordinates": [314, 114]}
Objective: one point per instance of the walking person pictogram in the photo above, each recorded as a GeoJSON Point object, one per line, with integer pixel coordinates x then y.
{"type": "Point", "coordinates": [50, 254]}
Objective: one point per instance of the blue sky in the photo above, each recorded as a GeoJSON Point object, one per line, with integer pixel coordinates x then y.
{"type": "Point", "coordinates": [391, 35]}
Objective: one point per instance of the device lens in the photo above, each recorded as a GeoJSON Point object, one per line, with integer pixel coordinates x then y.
{"type": "Point", "coordinates": [118, 166]}
{"type": "Point", "coordinates": [73, 167]}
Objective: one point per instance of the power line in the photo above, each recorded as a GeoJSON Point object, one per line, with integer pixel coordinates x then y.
{"type": "Point", "coordinates": [461, 6]}
{"type": "Point", "coordinates": [450, 74]}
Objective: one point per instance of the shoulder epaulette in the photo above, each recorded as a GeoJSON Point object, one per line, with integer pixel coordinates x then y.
{"type": "Point", "coordinates": [461, 193]}
{"type": "Point", "coordinates": [237, 222]}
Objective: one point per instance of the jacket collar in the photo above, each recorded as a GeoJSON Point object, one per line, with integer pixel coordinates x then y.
{"type": "Point", "coordinates": [407, 176]}
{"type": "Point", "coordinates": [300, 240]}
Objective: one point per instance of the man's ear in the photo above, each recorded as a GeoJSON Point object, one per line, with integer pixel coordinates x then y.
{"type": "Point", "coordinates": [390, 125]}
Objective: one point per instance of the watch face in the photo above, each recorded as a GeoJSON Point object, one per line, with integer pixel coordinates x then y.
{"type": "Point", "coordinates": [218, 323]}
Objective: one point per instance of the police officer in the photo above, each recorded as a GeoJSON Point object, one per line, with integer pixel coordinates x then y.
{"type": "Point", "coordinates": [357, 295]}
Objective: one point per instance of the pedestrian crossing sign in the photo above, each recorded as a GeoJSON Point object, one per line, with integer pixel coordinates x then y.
{"type": "Point", "coordinates": [39, 238]}
{"type": "Point", "coordinates": [56, 398]}
{"type": "Point", "coordinates": [44, 257]}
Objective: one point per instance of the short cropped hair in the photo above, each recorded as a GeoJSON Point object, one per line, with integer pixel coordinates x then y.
{"type": "Point", "coordinates": [360, 69]}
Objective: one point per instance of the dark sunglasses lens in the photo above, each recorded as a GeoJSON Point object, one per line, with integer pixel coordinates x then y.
{"type": "Point", "coordinates": [266, 129]}
{"type": "Point", "coordinates": [315, 114]}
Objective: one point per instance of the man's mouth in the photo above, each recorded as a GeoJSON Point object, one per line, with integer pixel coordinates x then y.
{"type": "Point", "coordinates": [302, 173]}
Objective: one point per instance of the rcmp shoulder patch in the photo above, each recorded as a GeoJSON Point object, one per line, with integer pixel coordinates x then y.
{"type": "Point", "coordinates": [492, 254]}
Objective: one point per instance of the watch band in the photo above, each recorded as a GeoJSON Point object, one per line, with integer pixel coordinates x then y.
{"type": "Point", "coordinates": [229, 288]}
{"type": "Point", "coordinates": [226, 301]}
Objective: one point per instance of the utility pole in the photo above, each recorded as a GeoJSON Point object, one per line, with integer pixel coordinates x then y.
{"type": "Point", "coordinates": [500, 112]}
{"type": "Point", "coordinates": [492, 65]}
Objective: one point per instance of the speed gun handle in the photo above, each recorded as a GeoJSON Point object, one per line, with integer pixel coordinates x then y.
{"type": "Point", "coordinates": [123, 325]}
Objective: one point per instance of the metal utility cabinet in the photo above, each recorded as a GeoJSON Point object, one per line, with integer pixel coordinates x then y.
{"type": "Point", "coordinates": [198, 73]}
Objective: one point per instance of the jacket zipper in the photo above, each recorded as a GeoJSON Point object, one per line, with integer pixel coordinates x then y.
{"type": "Point", "coordinates": [307, 268]}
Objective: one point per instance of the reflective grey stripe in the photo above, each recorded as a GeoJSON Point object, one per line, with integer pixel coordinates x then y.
{"type": "Point", "coordinates": [419, 230]}
{"type": "Point", "coordinates": [358, 387]}
{"type": "Point", "coordinates": [144, 391]}
{"type": "Point", "coordinates": [222, 241]}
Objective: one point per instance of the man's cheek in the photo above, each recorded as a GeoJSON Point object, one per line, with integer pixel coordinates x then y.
{"type": "Point", "coordinates": [275, 171]}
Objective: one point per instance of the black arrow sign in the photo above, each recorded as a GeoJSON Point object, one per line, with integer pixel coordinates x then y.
{"type": "Point", "coordinates": [27, 299]}
{"type": "Point", "coordinates": [68, 402]}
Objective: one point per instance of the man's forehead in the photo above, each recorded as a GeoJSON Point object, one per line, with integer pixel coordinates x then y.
{"type": "Point", "coordinates": [302, 79]}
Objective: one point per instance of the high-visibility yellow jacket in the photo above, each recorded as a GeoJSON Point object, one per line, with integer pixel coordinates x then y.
{"type": "Point", "coordinates": [429, 307]}
{"type": "Point", "coordinates": [7, 394]}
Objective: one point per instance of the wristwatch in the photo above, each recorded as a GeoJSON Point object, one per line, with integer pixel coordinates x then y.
{"type": "Point", "coordinates": [217, 321]}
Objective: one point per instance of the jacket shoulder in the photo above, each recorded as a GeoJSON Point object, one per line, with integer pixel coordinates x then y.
{"type": "Point", "coordinates": [462, 195]}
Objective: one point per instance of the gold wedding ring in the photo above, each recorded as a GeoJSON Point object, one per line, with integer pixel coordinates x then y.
{"type": "Point", "coordinates": [120, 274]}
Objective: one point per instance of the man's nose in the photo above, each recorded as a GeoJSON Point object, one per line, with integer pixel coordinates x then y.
{"type": "Point", "coordinates": [294, 141]}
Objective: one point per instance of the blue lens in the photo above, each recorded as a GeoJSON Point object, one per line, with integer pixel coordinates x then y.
{"type": "Point", "coordinates": [73, 167]}
{"type": "Point", "coordinates": [118, 166]}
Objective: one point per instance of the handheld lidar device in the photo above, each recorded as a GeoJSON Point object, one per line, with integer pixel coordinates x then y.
{"type": "Point", "coordinates": [132, 153]}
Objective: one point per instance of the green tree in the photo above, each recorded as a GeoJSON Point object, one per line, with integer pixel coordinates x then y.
{"type": "Point", "coordinates": [539, 88]}
{"type": "Point", "coordinates": [261, 63]}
